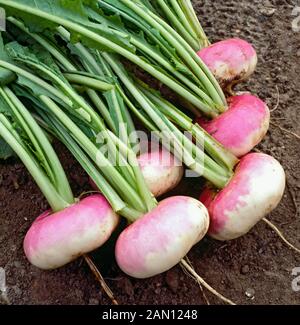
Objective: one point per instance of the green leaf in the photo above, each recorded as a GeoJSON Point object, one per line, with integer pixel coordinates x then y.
{"type": "Point", "coordinates": [37, 90]}
{"type": "Point", "coordinates": [5, 150]}
{"type": "Point", "coordinates": [67, 10]}
{"type": "Point", "coordinates": [4, 107]}
{"type": "Point", "coordinates": [6, 76]}
{"type": "Point", "coordinates": [35, 57]}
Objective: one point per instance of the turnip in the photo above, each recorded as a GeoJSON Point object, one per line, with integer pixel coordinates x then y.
{"type": "Point", "coordinates": [242, 127]}
{"type": "Point", "coordinates": [161, 170]}
{"type": "Point", "coordinates": [160, 239]}
{"type": "Point", "coordinates": [55, 239]}
{"type": "Point", "coordinates": [42, 241]}
{"type": "Point", "coordinates": [219, 175]}
{"type": "Point", "coordinates": [70, 229]}
{"type": "Point", "coordinates": [132, 199]}
{"type": "Point", "coordinates": [231, 61]}
{"type": "Point", "coordinates": [254, 191]}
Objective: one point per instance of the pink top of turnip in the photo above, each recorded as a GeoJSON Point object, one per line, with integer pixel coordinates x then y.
{"type": "Point", "coordinates": [56, 239]}
{"type": "Point", "coordinates": [243, 126]}
{"type": "Point", "coordinates": [161, 170]}
{"type": "Point", "coordinates": [231, 60]}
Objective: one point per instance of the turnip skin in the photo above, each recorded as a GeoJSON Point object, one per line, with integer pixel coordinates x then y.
{"type": "Point", "coordinates": [161, 238]}
{"type": "Point", "coordinates": [161, 170]}
{"type": "Point", "coordinates": [254, 191]}
{"type": "Point", "coordinates": [231, 61]}
{"type": "Point", "coordinates": [59, 238]}
{"type": "Point", "coordinates": [242, 126]}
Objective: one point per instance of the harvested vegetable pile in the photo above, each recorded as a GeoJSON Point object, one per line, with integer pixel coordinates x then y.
{"type": "Point", "coordinates": [65, 76]}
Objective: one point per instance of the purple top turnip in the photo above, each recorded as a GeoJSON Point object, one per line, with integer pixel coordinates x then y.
{"type": "Point", "coordinates": [55, 239]}
{"type": "Point", "coordinates": [242, 127]}
{"type": "Point", "coordinates": [161, 170]}
{"type": "Point", "coordinates": [231, 61]}
{"type": "Point", "coordinates": [160, 239]}
{"type": "Point", "coordinates": [254, 191]}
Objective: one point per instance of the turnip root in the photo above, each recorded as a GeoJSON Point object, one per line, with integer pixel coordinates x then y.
{"type": "Point", "coordinates": [161, 238]}
{"type": "Point", "coordinates": [161, 170]}
{"type": "Point", "coordinates": [254, 191]}
{"type": "Point", "coordinates": [231, 61]}
{"type": "Point", "coordinates": [242, 127]}
{"type": "Point", "coordinates": [57, 239]}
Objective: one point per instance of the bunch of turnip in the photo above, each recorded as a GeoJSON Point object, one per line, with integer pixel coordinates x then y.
{"type": "Point", "coordinates": [239, 129]}
{"type": "Point", "coordinates": [87, 101]}
{"type": "Point", "coordinates": [66, 232]}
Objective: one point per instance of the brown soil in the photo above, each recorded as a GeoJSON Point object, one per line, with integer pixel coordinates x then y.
{"type": "Point", "coordinates": [258, 263]}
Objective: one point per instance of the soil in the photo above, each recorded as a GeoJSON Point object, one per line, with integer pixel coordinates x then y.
{"type": "Point", "coordinates": [255, 269]}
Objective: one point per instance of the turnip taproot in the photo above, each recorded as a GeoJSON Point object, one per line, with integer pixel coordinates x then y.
{"type": "Point", "coordinates": [55, 239]}
{"type": "Point", "coordinates": [231, 61]}
{"type": "Point", "coordinates": [161, 238]}
{"type": "Point", "coordinates": [242, 127]}
{"type": "Point", "coordinates": [254, 191]}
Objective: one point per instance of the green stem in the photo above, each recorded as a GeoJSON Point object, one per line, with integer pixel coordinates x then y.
{"type": "Point", "coordinates": [148, 124]}
{"type": "Point", "coordinates": [111, 173]}
{"type": "Point", "coordinates": [144, 191]}
{"type": "Point", "coordinates": [98, 123]}
{"type": "Point", "coordinates": [41, 145]}
{"type": "Point", "coordinates": [55, 127]}
{"type": "Point", "coordinates": [94, 66]}
{"type": "Point", "coordinates": [104, 41]}
{"type": "Point", "coordinates": [68, 66]}
{"type": "Point", "coordinates": [167, 65]}
{"type": "Point", "coordinates": [56, 202]}
{"type": "Point", "coordinates": [185, 51]}
{"type": "Point", "coordinates": [88, 82]}
{"type": "Point", "coordinates": [117, 159]}
{"type": "Point", "coordinates": [183, 19]}
{"type": "Point", "coordinates": [59, 131]}
{"type": "Point", "coordinates": [189, 11]}
{"type": "Point", "coordinates": [178, 24]}
{"type": "Point", "coordinates": [97, 101]}
{"type": "Point", "coordinates": [165, 126]}
{"type": "Point", "coordinates": [220, 154]}
{"type": "Point", "coordinates": [12, 130]}
{"type": "Point", "coordinates": [55, 92]}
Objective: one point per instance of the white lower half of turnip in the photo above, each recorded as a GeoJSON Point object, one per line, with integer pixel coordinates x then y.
{"type": "Point", "coordinates": [161, 238]}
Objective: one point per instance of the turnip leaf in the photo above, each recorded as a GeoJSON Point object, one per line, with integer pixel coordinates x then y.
{"type": "Point", "coordinates": [5, 150]}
